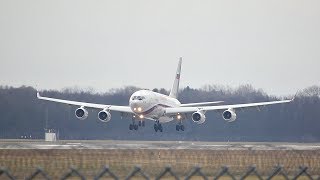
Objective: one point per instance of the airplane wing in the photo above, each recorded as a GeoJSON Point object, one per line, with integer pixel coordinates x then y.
{"type": "Point", "coordinates": [221, 107]}
{"type": "Point", "coordinates": [200, 103]}
{"type": "Point", "coordinates": [125, 109]}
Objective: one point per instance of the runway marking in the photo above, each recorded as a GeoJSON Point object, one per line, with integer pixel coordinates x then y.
{"type": "Point", "coordinates": [56, 145]}
{"type": "Point", "coordinates": [214, 145]}
{"type": "Point", "coordinates": [74, 143]}
{"type": "Point", "coordinates": [306, 147]}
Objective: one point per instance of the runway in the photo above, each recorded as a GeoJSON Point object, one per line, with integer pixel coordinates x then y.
{"type": "Point", "coordinates": [111, 144]}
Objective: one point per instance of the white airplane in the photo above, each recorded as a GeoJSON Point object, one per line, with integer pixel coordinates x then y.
{"type": "Point", "coordinates": [146, 104]}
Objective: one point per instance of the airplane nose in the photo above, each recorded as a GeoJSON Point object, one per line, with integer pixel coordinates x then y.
{"type": "Point", "coordinates": [139, 109]}
{"type": "Point", "coordinates": [136, 107]}
{"type": "Point", "coordinates": [134, 104]}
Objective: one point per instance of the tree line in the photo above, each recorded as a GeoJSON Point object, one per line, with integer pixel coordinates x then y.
{"type": "Point", "coordinates": [24, 116]}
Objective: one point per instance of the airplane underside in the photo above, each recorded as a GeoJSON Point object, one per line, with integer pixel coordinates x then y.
{"type": "Point", "coordinates": [157, 123]}
{"type": "Point", "coordinates": [163, 119]}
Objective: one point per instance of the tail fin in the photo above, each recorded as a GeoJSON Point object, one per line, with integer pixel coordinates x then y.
{"type": "Point", "coordinates": [175, 86]}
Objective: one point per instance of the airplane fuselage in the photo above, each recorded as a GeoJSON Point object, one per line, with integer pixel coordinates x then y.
{"type": "Point", "coordinates": [151, 105]}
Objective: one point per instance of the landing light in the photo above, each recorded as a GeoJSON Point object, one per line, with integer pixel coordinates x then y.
{"type": "Point", "coordinates": [139, 109]}
{"type": "Point", "coordinates": [134, 109]}
{"type": "Point", "coordinates": [141, 116]}
{"type": "Point", "coordinates": [179, 116]}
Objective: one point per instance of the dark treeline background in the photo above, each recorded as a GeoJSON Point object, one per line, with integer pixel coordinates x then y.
{"type": "Point", "coordinates": [22, 115]}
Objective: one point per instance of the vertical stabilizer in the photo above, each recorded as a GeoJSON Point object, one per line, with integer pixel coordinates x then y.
{"type": "Point", "coordinates": [175, 86]}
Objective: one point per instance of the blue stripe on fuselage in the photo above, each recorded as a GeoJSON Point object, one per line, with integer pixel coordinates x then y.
{"type": "Point", "coordinates": [153, 108]}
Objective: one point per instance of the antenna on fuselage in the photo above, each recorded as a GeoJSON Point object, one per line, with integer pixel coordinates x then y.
{"type": "Point", "coordinates": [175, 86]}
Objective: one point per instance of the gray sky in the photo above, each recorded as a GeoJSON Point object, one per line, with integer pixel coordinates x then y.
{"type": "Point", "coordinates": [103, 44]}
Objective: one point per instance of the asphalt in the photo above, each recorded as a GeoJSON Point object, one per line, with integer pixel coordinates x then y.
{"type": "Point", "coordinates": [111, 144]}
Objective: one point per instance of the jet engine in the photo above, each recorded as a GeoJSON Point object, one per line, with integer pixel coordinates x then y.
{"type": "Point", "coordinates": [229, 115]}
{"type": "Point", "coordinates": [81, 113]}
{"type": "Point", "coordinates": [198, 117]}
{"type": "Point", "coordinates": [104, 116]}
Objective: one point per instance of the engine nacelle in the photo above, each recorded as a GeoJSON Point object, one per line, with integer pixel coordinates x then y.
{"type": "Point", "coordinates": [81, 113]}
{"type": "Point", "coordinates": [104, 116]}
{"type": "Point", "coordinates": [198, 117]}
{"type": "Point", "coordinates": [229, 115]}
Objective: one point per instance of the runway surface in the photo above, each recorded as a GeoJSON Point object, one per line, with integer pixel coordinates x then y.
{"type": "Point", "coordinates": [110, 144]}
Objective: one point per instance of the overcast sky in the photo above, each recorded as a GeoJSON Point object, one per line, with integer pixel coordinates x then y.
{"type": "Point", "coordinates": [104, 44]}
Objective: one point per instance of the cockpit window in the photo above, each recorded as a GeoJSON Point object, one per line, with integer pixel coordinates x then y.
{"type": "Point", "coordinates": [138, 98]}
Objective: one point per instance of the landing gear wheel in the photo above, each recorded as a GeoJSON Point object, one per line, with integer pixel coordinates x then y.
{"type": "Point", "coordinates": [155, 126]}
{"type": "Point", "coordinates": [131, 127]}
{"type": "Point", "coordinates": [140, 123]}
{"type": "Point", "coordinates": [143, 123]}
{"type": "Point", "coordinates": [160, 128]}
{"type": "Point", "coordinates": [135, 127]}
{"type": "Point", "coordinates": [182, 127]}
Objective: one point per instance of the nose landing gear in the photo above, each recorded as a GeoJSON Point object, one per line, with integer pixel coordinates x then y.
{"type": "Point", "coordinates": [141, 123]}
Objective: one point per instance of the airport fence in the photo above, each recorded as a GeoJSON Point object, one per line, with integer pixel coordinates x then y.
{"type": "Point", "coordinates": [168, 173]}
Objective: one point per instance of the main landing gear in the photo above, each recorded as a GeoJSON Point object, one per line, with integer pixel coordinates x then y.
{"type": "Point", "coordinates": [134, 126]}
{"type": "Point", "coordinates": [180, 127]}
{"type": "Point", "coordinates": [157, 127]}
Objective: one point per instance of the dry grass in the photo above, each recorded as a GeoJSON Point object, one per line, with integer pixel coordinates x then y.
{"type": "Point", "coordinates": [56, 163]}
